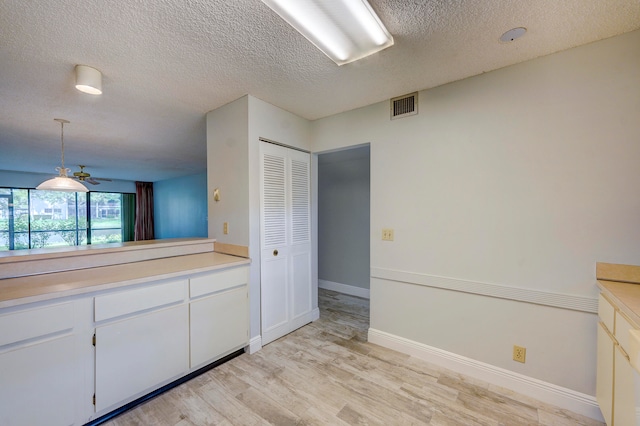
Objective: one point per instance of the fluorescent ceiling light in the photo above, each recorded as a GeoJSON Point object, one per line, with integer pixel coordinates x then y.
{"type": "Point", "coordinates": [345, 30]}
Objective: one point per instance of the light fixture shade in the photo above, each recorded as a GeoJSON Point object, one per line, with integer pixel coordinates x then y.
{"type": "Point", "coordinates": [345, 30]}
{"type": "Point", "coordinates": [88, 80]}
{"type": "Point", "coordinates": [62, 183]}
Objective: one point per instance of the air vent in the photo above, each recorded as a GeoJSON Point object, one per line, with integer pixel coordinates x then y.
{"type": "Point", "coordinates": [404, 106]}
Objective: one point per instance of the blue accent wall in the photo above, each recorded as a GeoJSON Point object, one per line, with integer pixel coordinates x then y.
{"type": "Point", "coordinates": [180, 207]}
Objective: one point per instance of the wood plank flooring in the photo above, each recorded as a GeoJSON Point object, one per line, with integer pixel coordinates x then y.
{"type": "Point", "coordinates": [327, 374]}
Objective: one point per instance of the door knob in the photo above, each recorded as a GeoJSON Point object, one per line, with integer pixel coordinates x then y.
{"type": "Point", "coordinates": [275, 252]}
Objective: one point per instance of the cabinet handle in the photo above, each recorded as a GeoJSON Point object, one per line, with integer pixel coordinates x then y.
{"type": "Point", "coordinates": [275, 252]}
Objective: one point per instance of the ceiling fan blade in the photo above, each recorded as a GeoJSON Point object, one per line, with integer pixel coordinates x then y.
{"type": "Point", "coordinates": [103, 179]}
{"type": "Point", "coordinates": [92, 181]}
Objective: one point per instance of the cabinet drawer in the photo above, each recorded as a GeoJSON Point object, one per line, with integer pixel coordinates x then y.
{"type": "Point", "coordinates": [217, 281]}
{"type": "Point", "coordinates": [33, 323]}
{"type": "Point", "coordinates": [623, 329]}
{"type": "Point", "coordinates": [131, 301]}
{"type": "Point", "coordinates": [606, 312]}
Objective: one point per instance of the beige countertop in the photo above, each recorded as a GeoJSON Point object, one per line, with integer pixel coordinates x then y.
{"type": "Point", "coordinates": [20, 290]}
{"type": "Point", "coordinates": [625, 296]}
{"type": "Point", "coordinates": [621, 285]}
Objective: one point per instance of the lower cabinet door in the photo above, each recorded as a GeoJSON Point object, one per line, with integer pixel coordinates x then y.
{"type": "Point", "coordinates": [604, 374]}
{"type": "Point", "coordinates": [219, 325]}
{"type": "Point", "coordinates": [136, 355]}
{"type": "Point", "coordinates": [624, 404]}
{"type": "Point", "coordinates": [38, 384]}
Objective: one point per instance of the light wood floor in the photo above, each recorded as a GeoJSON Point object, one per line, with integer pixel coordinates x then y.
{"type": "Point", "coordinates": [327, 374]}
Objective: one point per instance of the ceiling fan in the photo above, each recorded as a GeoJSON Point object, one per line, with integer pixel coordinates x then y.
{"type": "Point", "coordinates": [83, 176]}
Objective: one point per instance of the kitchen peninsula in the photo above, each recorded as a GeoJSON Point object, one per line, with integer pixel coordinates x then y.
{"type": "Point", "coordinates": [87, 330]}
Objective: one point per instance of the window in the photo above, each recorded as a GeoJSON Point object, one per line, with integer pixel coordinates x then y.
{"type": "Point", "coordinates": [38, 219]}
{"type": "Point", "coordinates": [105, 217]}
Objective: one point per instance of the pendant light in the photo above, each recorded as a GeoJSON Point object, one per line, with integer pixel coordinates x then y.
{"type": "Point", "coordinates": [62, 182]}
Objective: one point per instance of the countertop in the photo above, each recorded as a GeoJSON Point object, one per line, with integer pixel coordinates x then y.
{"type": "Point", "coordinates": [625, 296]}
{"type": "Point", "coordinates": [621, 284]}
{"type": "Point", "coordinates": [20, 290]}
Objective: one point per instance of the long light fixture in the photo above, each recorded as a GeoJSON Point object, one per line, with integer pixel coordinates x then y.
{"type": "Point", "coordinates": [88, 80]}
{"type": "Point", "coordinates": [345, 30]}
{"type": "Point", "coordinates": [62, 182]}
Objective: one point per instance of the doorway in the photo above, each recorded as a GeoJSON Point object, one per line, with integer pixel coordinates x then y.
{"type": "Point", "coordinates": [344, 198]}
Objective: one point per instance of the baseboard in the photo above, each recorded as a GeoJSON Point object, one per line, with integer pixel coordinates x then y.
{"type": "Point", "coordinates": [344, 288]}
{"type": "Point", "coordinates": [543, 391]}
{"type": "Point", "coordinates": [315, 314]}
{"type": "Point", "coordinates": [255, 344]}
{"type": "Point", "coordinates": [285, 328]}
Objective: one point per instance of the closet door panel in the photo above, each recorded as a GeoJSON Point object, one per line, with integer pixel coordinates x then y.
{"type": "Point", "coordinates": [285, 225]}
{"type": "Point", "coordinates": [301, 278]}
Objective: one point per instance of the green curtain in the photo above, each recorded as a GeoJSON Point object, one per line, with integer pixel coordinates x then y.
{"type": "Point", "coordinates": [128, 217]}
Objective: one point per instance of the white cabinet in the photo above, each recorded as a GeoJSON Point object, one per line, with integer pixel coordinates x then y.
{"type": "Point", "coordinates": [219, 315]}
{"type": "Point", "coordinates": [604, 374]}
{"type": "Point", "coordinates": [146, 336]}
{"type": "Point", "coordinates": [218, 326]}
{"type": "Point", "coordinates": [38, 366]}
{"type": "Point", "coordinates": [624, 408]}
{"type": "Point", "coordinates": [135, 355]}
{"type": "Point", "coordinates": [144, 344]}
{"type": "Point", "coordinates": [38, 384]}
{"type": "Point", "coordinates": [617, 381]}
{"type": "Point", "coordinates": [158, 333]}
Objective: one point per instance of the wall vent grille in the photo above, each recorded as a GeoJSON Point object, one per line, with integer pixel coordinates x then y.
{"type": "Point", "coordinates": [404, 106]}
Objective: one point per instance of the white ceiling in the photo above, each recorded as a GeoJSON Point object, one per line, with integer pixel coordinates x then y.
{"type": "Point", "coordinates": [166, 63]}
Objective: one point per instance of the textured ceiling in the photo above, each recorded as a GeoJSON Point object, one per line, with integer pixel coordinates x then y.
{"type": "Point", "coordinates": [166, 63]}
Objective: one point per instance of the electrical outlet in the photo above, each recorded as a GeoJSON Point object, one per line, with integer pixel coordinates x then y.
{"type": "Point", "coordinates": [519, 353]}
{"type": "Point", "coordinates": [225, 228]}
{"type": "Point", "coordinates": [387, 234]}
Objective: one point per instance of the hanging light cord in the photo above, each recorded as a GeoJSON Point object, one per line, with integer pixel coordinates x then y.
{"type": "Point", "coordinates": [62, 141]}
{"type": "Point", "coordinates": [63, 170]}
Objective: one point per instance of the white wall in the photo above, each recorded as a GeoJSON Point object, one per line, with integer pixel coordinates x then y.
{"type": "Point", "coordinates": [233, 156]}
{"type": "Point", "coordinates": [228, 170]}
{"type": "Point", "coordinates": [511, 184]}
{"type": "Point", "coordinates": [343, 219]}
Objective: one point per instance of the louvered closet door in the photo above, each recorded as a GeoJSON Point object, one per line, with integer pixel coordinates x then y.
{"type": "Point", "coordinates": [285, 229]}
